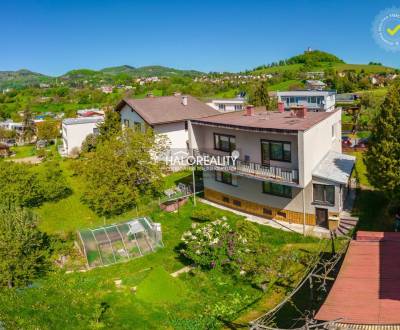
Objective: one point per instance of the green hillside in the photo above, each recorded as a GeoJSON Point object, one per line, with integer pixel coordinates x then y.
{"type": "Point", "coordinates": [21, 77]}
{"type": "Point", "coordinates": [317, 61]}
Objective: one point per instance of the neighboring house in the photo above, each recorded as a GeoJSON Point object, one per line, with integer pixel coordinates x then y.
{"type": "Point", "coordinates": [315, 85]}
{"type": "Point", "coordinates": [90, 112]}
{"type": "Point", "coordinates": [75, 131]}
{"type": "Point", "coordinates": [167, 115]}
{"type": "Point", "coordinates": [227, 105]}
{"type": "Point", "coordinates": [290, 167]}
{"type": "Point", "coordinates": [313, 100]}
{"type": "Point", "coordinates": [12, 126]}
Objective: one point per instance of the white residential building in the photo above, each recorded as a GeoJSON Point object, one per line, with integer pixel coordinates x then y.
{"type": "Point", "coordinates": [290, 167]}
{"type": "Point", "coordinates": [167, 115]}
{"type": "Point", "coordinates": [227, 105]}
{"type": "Point", "coordinates": [75, 131]}
{"type": "Point", "coordinates": [313, 100]}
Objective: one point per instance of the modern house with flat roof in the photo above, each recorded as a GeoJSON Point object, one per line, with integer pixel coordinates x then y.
{"type": "Point", "coordinates": [290, 165]}
{"type": "Point", "coordinates": [75, 131]}
{"type": "Point", "coordinates": [227, 105]}
{"type": "Point", "coordinates": [167, 115]}
{"type": "Point", "coordinates": [313, 100]}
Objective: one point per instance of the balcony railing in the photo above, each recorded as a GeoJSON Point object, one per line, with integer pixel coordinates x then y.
{"type": "Point", "coordinates": [256, 170]}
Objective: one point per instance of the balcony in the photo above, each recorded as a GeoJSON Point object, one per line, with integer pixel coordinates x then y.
{"type": "Point", "coordinates": [254, 170]}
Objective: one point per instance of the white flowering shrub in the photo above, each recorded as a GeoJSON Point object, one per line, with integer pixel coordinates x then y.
{"type": "Point", "coordinates": [215, 244]}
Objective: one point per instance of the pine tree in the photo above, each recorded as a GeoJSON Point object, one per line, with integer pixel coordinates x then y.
{"type": "Point", "coordinates": [260, 96]}
{"type": "Point", "coordinates": [383, 156]}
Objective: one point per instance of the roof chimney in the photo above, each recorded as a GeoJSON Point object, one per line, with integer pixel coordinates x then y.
{"type": "Point", "coordinates": [281, 107]}
{"type": "Point", "coordinates": [250, 110]}
{"type": "Point", "coordinates": [184, 100]}
{"type": "Point", "coordinates": [300, 111]}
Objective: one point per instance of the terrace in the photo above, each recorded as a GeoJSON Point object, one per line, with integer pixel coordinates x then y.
{"type": "Point", "coordinates": [252, 169]}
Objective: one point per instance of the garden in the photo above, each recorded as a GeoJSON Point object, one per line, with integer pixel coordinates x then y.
{"type": "Point", "coordinates": [240, 269]}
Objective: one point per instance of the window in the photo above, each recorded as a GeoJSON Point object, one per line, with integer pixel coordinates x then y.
{"type": "Point", "coordinates": [267, 211]}
{"type": "Point", "coordinates": [225, 177]}
{"type": "Point", "coordinates": [221, 106]}
{"type": "Point", "coordinates": [237, 203]}
{"type": "Point", "coordinates": [126, 123]}
{"type": "Point", "coordinates": [277, 189]}
{"type": "Point", "coordinates": [333, 131]}
{"type": "Point", "coordinates": [224, 142]}
{"type": "Point", "coordinates": [282, 214]}
{"type": "Point", "coordinates": [96, 131]}
{"type": "Point", "coordinates": [186, 125]}
{"type": "Point", "coordinates": [272, 150]}
{"type": "Point", "coordinates": [225, 199]}
{"type": "Point", "coordinates": [238, 107]}
{"type": "Point", "coordinates": [137, 126]}
{"type": "Point", "coordinates": [324, 194]}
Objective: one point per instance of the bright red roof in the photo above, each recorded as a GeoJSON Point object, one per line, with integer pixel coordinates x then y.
{"type": "Point", "coordinates": [367, 289]}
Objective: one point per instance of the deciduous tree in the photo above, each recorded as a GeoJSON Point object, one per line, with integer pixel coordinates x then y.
{"type": "Point", "coordinates": [23, 248]}
{"type": "Point", "coordinates": [123, 169]}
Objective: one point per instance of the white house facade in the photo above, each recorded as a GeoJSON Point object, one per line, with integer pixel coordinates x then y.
{"type": "Point", "coordinates": [290, 168]}
{"type": "Point", "coordinates": [167, 115]}
{"type": "Point", "coordinates": [313, 100]}
{"type": "Point", "coordinates": [75, 131]}
{"type": "Point", "coordinates": [227, 105]}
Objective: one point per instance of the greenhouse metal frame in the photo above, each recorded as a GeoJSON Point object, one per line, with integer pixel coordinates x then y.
{"type": "Point", "coordinates": [120, 242]}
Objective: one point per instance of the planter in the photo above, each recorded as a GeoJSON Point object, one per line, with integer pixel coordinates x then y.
{"type": "Point", "coordinates": [173, 205]}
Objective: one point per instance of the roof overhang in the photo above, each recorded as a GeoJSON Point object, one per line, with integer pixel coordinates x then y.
{"type": "Point", "coordinates": [335, 167]}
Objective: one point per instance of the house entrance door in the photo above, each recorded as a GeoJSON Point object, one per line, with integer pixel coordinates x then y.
{"type": "Point", "coordinates": [321, 217]}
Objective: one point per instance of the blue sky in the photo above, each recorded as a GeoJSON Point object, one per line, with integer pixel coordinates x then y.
{"type": "Point", "coordinates": [53, 37]}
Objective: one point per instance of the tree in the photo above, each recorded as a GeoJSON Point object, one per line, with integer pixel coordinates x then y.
{"type": "Point", "coordinates": [122, 170]}
{"type": "Point", "coordinates": [383, 155]}
{"type": "Point", "coordinates": [29, 126]}
{"type": "Point", "coordinates": [90, 143]}
{"type": "Point", "coordinates": [24, 185]}
{"type": "Point", "coordinates": [260, 96]}
{"type": "Point", "coordinates": [47, 130]}
{"type": "Point", "coordinates": [111, 125]}
{"type": "Point", "coordinates": [24, 250]}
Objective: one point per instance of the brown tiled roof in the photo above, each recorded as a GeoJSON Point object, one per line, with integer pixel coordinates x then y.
{"type": "Point", "coordinates": [167, 109]}
{"type": "Point", "coordinates": [271, 120]}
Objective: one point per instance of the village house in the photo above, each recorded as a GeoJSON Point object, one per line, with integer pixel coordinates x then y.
{"type": "Point", "coordinates": [75, 131]}
{"type": "Point", "coordinates": [313, 100]}
{"type": "Point", "coordinates": [227, 105]}
{"type": "Point", "coordinates": [290, 165]}
{"type": "Point", "coordinates": [167, 115]}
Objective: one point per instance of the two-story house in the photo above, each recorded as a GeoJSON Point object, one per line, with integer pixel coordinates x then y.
{"type": "Point", "coordinates": [313, 100]}
{"type": "Point", "coordinates": [290, 165]}
{"type": "Point", "coordinates": [166, 115]}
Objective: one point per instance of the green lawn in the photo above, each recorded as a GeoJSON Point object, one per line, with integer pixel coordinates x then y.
{"type": "Point", "coordinates": [24, 151]}
{"type": "Point", "coordinates": [157, 301]}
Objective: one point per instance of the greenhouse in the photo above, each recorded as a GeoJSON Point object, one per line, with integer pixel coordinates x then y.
{"type": "Point", "coordinates": [120, 242]}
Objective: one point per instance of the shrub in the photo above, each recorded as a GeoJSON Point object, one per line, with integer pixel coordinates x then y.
{"type": "Point", "coordinates": [215, 244]}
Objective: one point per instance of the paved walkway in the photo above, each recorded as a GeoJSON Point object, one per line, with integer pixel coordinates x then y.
{"type": "Point", "coordinates": [29, 160]}
{"type": "Point", "coordinates": [186, 269]}
{"type": "Point", "coordinates": [283, 225]}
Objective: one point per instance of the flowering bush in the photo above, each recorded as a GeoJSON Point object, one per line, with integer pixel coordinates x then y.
{"type": "Point", "coordinates": [215, 244]}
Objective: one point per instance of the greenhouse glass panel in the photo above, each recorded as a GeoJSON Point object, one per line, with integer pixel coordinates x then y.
{"type": "Point", "coordinates": [119, 242]}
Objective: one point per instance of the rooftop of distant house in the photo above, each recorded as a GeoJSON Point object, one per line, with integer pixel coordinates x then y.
{"type": "Point", "coordinates": [83, 120]}
{"type": "Point", "coordinates": [263, 120]}
{"type": "Point", "coordinates": [306, 92]}
{"type": "Point", "coordinates": [168, 109]}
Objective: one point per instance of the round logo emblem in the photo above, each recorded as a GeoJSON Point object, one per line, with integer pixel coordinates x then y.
{"type": "Point", "coordinates": [386, 29]}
